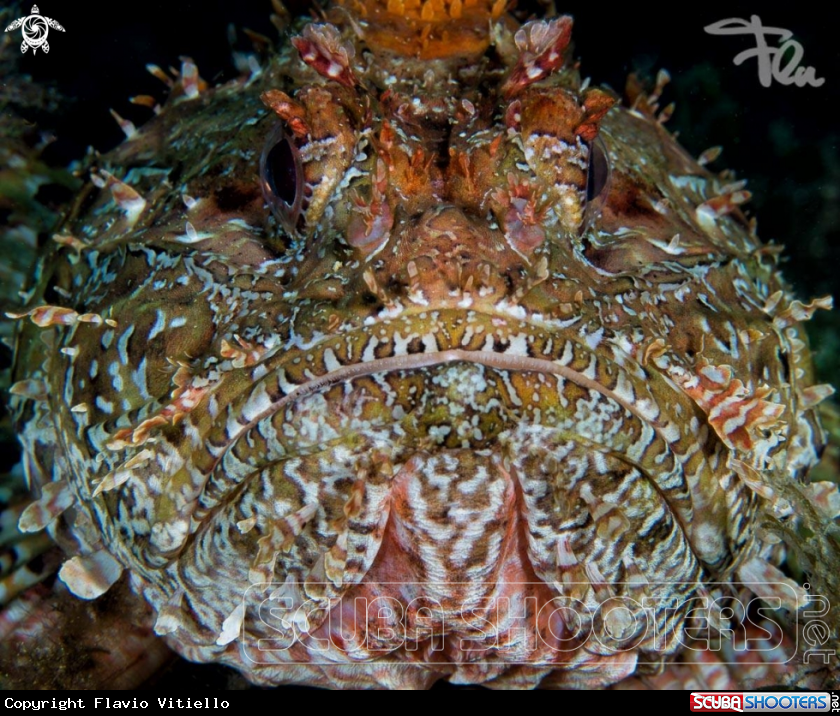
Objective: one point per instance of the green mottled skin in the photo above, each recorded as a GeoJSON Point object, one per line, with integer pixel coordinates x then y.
{"type": "Point", "coordinates": [455, 371]}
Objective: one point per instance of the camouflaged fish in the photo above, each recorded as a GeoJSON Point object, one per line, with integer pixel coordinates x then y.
{"type": "Point", "coordinates": [412, 356]}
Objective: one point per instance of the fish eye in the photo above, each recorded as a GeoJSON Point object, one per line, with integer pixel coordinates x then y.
{"type": "Point", "coordinates": [281, 173]}
{"type": "Point", "coordinates": [598, 175]}
{"type": "Point", "coordinates": [597, 183]}
{"type": "Point", "coordinates": [281, 177]}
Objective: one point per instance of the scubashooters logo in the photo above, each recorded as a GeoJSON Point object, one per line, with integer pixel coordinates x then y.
{"type": "Point", "coordinates": [759, 702]}
{"type": "Point", "coordinates": [35, 28]}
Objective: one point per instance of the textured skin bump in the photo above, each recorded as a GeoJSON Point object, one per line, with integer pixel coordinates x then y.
{"type": "Point", "coordinates": [444, 376]}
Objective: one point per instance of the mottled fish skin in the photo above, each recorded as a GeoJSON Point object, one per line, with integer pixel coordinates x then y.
{"type": "Point", "coordinates": [502, 346]}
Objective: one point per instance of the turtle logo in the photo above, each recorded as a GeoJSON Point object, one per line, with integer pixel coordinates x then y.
{"type": "Point", "coordinates": [35, 28]}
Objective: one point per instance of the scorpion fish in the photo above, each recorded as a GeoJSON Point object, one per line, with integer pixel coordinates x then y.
{"type": "Point", "coordinates": [412, 356]}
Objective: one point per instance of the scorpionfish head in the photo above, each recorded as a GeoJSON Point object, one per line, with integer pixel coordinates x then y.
{"type": "Point", "coordinates": [414, 355]}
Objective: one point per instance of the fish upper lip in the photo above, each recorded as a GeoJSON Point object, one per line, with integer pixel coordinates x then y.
{"type": "Point", "coordinates": [512, 359]}
{"type": "Point", "coordinates": [504, 360]}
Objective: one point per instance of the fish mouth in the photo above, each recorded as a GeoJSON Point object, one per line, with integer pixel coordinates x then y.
{"type": "Point", "coordinates": [537, 372]}
{"type": "Point", "coordinates": [320, 479]}
{"type": "Point", "coordinates": [413, 362]}
{"type": "Point", "coordinates": [438, 338]}
{"type": "Point", "coordinates": [436, 381]}
{"type": "Point", "coordinates": [381, 514]}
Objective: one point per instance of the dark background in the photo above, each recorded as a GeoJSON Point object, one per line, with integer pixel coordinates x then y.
{"type": "Point", "coordinates": [783, 139]}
